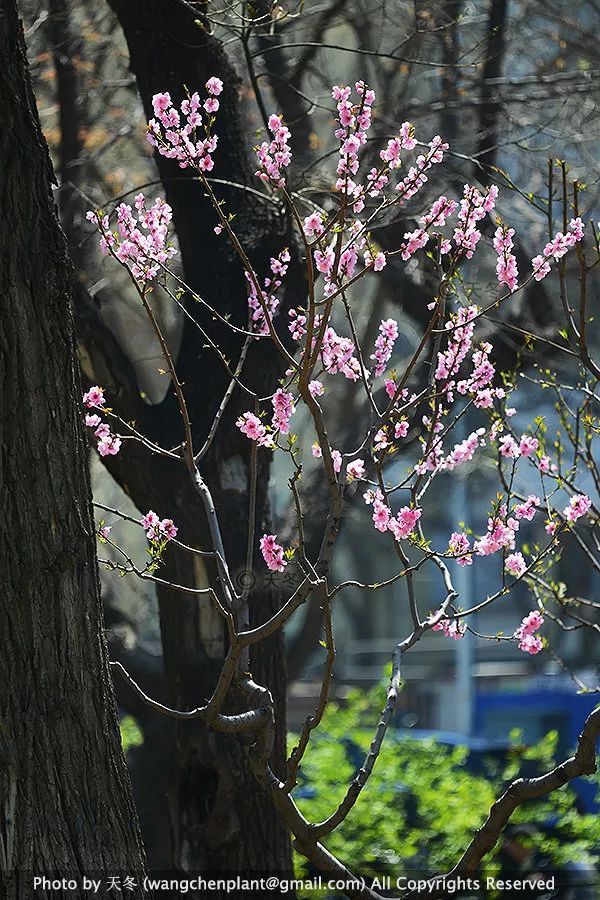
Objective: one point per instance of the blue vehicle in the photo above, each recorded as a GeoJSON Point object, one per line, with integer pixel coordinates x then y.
{"type": "Point", "coordinates": [535, 714]}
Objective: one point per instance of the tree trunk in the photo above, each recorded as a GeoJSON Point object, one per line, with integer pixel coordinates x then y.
{"type": "Point", "coordinates": [64, 787]}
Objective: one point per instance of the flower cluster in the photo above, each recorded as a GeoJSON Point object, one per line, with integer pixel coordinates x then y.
{"type": "Point", "coordinates": [452, 628]}
{"type": "Point", "coordinates": [176, 133]}
{"type": "Point", "coordinates": [283, 410]}
{"type": "Point", "coordinates": [140, 240]}
{"type": "Point", "coordinates": [528, 641]}
{"type": "Point", "coordinates": [579, 506]}
{"type": "Point", "coordinates": [441, 210]}
{"type": "Point", "coordinates": [557, 247]}
{"type": "Point", "coordinates": [400, 525]}
{"type": "Point", "coordinates": [158, 530]}
{"type": "Point", "coordinates": [268, 292]}
{"type": "Point", "coordinates": [474, 206]}
{"type": "Point", "coordinates": [272, 553]}
{"type": "Point", "coordinates": [515, 564]}
{"type": "Point", "coordinates": [384, 344]}
{"type": "Point", "coordinates": [459, 546]}
{"type": "Point", "coordinates": [274, 155]}
{"type": "Point", "coordinates": [354, 122]}
{"type": "Point", "coordinates": [108, 443]}
{"type": "Point", "coordinates": [255, 430]}
{"type": "Point", "coordinates": [506, 266]}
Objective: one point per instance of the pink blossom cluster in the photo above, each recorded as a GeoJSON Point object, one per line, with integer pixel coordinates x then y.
{"type": "Point", "coordinates": [400, 525]}
{"type": "Point", "coordinates": [459, 546]}
{"type": "Point", "coordinates": [140, 241]}
{"type": "Point", "coordinates": [354, 121]}
{"type": "Point", "coordinates": [275, 155]}
{"type": "Point", "coordinates": [158, 529]}
{"type": "Point", "coordinates": [108, 443]}
{"type": "Point", "coordinates": [250, 425]}
{"type": "Point", "coordinates": [557, 247]}
{"type": "Point", "coordinates": [452, 628]}
{"type": "Point", "coordinates": [283, 410]}
{"type": "Point", "coordinates": [174, 133]}
{"type": "Point", "coordinates": [506, 265]}
{"type": "Point", "coordinates": [297, 324]}
{"type": "Point", "coordinates": [474, 206]}
{"type": "Point", "coordinates": [272, 553]}
{"type": "Point", "coordinates": [336, 457]}
{"type": "Point", "coordinates": [336, 352]}
{"type": "Point", "coordinates": [268, 293]}
{"type": "Point", "coordinates": [439, 212]}
{"type": "Point", "coordinates": [515, 564]}
{"type": "Point", "coordinates": [500, 534]}
{"type": "Point", "coordinates": [513, 449]}
{"type": "Point", "coordinates": [528, 641]}
{"type": "Point", "coordinates": [337, 355]}
{"type": "Point", "coordinates": [313, 225]}
{"type": "Point", "coordinates": [579, 506]}
{"type": "Point", "coordinates": [355, 469]}
{"type": "Point", "coordinates": [405, 140]}
{"type": "Point", "coordinates": [528, 509]}
{"type": "Point", "coordinates": [417, 174]}
{"type": "Point", "coordinates": [384, 345]}
{"type": "Point", "coordinates": [460, 327]}
{"type": "Point", "coordinates": [465, 450]}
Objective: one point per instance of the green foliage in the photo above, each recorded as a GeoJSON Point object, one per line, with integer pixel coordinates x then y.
{"type": "Point", "coordinates": [131, 735]}
{"type": "Point", "coordinates": [422, 805]}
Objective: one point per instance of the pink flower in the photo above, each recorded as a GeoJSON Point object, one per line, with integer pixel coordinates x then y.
{"type": "Point", "coordinates": [381, 514]}
{"type": "Point", "coordinates": [506, 267]}
{"type": "Point", "coordinates": [272, 553]}
{"type": "Point", "coordinates": [94, 397]}
{"type": "Point", "coordinates": [161, 102]}
{"type": "Point", "coordinates": [283, 410]}
{"type": "Point", "coordinates": [316, 388]}
{"type": "Point", "coordinates": [378, 261]}
{"type": "Point", "coordinates": [527, 510]}
{"type": "Point", "coordinates": [313, 225]}
{"type": "Point", "coordinates": [380, 441]}
{"type": "Point", "coordinates": [528, 642]}
{"type": "Point", "coordinates": [550, 528]}
{"type": "Point", "coordinates": [527, 445]}
{"type": "Point", "coordinates": [459, 545]}
{"type": "Point", "coordinates": [384, 345]}
{"type": "Point", "coordinates": [214, 86]}
{"type": "Point", "coordinates": [109, 445]}
{"type": "Point", "coordinates": [401, 429]}
{"type": "Point", "coordinates": [515, 564]}
{"type": "Point", "coordinates": [168, 528]}
{"type": "Point", "coordinates": [557, 247]}
{"type": "Point", "coordinates": [316, 450]}
{"type": "Point", "coordinates": [403, 524]}
{"type": "Point", "coordinates": [336, 457]}
{"type": "Point", "coordinates": [92, 421]}
{"type": "Point", "coordinates": [508, 447]}
{"type": "Point", "coordinates": [157, 530]}
{"type": "Point", "coordinates": [355, 469]}
{"type": "Point", "coordinates": [104, 532]}
{"type": "Point", "coordinates": [544, 464]}
{"type": "Point", "coordinates": [578, 506]}
{"type": "Point", "coordinates": [452, 628]}
{"type": "Point", "coordinates": [253, 428]}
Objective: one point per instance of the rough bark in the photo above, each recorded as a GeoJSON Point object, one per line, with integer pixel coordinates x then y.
{"type": "Point", "coordinates": [64, 787]}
